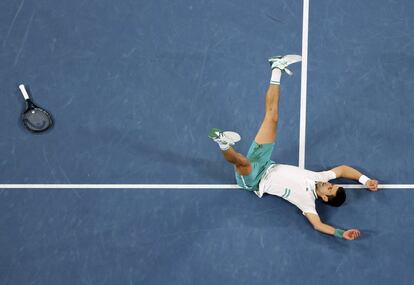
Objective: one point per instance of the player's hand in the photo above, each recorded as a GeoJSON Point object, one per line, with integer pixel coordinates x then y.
{"type": "Point", "coordinates": [352, 234]}
{"type": "Point", "coordinates": [372, 185]}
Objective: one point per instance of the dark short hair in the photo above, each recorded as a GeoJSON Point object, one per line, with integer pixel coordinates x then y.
{"type": "Point", "coordinates": [338, 199]}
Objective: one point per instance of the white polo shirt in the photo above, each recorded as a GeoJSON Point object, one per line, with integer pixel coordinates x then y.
{"type": "Point", "coordinates": [294, 184]}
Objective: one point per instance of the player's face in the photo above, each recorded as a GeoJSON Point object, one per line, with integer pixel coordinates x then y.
{"type": "Point", "coordinates": [326, 188]}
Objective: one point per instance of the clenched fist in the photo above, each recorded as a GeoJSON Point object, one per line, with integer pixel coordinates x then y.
{"type": "Point", "coordinates": [351, 234]}
{"type": "Point", "coordinates": [372, 185]}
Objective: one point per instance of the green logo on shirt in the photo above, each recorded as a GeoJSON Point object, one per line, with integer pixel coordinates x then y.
{"type": "Point", "coordinates": [286, 194]}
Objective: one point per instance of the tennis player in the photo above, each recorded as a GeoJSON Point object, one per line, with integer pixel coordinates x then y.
{"type": "Point", "coordinates": [301, 187]}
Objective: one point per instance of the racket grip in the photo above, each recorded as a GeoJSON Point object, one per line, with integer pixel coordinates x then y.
{"type": "Point", "coordinates": [24, 92]}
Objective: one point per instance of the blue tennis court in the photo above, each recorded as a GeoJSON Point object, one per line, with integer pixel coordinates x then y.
{"type": "Point", "coordinates": [134, 88]}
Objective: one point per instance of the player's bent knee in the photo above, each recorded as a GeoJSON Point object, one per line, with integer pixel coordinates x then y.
{"type": "Point", "coordinates": [243, 161]}
{"type": "Point", "coordinates": [244, 170]}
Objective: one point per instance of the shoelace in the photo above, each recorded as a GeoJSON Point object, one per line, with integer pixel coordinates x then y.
{"type": "Point", "coordinates": [222, 139]}
{"type": "Point", "coordinates": [219, 137]}
{"type": "Point", "coordinates": [282, 66]}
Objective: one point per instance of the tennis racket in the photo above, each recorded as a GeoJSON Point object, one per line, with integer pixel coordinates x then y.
{"type": "Point", "coordinates": [34, 118]}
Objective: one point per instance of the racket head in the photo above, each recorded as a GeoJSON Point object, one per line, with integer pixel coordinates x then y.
{"type": "Point", "coordinates": [36, 119]}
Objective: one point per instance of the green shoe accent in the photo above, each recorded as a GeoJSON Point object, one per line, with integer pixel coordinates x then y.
{"type": "Point", "coordinates": [213, 133]}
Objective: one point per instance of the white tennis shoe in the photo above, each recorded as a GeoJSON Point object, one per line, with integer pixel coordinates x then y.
{"type": "Point", "coordinates": [225, 137]}
{"type": "Point", "coordinates": [281, 62]}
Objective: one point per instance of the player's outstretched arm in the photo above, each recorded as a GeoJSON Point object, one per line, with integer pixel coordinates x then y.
{"type": "Point", "coordinates": [345, 171]}
{"type": "Point", "coordinates": [327, 229]}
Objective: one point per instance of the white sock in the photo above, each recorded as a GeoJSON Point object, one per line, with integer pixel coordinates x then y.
{"type": "Point", "coordinates": [276, 74]}
{"type": "Point", "coordinates": [224, 146]}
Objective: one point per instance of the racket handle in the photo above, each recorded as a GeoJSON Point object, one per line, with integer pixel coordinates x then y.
{"type": "Point", "coordinates": [24, 92]}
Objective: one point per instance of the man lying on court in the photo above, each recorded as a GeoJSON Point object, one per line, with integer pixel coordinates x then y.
{"type": "Point", "coordinates": [258, 173]}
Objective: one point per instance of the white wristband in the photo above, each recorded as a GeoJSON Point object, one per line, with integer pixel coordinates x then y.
{"type": "Point", "coordinates": [363, 179]}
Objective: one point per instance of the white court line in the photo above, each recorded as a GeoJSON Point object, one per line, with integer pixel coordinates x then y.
{"type": "Point", "coordinates": [303, 84]}
{"type": "Point", "coordinates": [119, 186]}
{"type": "Point", "coordinates": [168, 186]}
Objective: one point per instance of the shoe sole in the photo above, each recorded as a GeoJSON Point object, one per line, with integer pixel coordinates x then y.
{"type": "Point", "coordinates": [295, 58]}
{"type": "Point", "coordinates": [233, 136]}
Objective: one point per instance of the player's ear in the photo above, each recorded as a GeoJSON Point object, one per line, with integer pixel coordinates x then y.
{"type": "Point", "coordinates": [324, 198]}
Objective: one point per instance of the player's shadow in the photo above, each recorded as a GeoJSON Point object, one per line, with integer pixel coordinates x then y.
{"type": "Point", "coordinates": [203, 166]}
{"type": "Point", "coordinates": [218, 170]}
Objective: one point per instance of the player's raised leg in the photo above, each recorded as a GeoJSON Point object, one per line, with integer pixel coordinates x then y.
{"type": "Point", "coordinates": [268, 128]}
